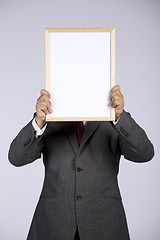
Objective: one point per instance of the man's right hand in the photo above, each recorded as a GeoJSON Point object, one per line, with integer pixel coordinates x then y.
{"type": "Point", "coordinates": [43, 108]}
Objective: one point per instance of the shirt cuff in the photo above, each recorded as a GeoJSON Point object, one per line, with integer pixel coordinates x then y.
{"type": "Point", "coordinates": [115, 122]}
{"type": "Point", "coordinates": [38, 131]}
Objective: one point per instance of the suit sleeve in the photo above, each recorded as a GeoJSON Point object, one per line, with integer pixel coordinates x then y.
{"type": "Point", "coordinates": [133, 141]}
{"type": "Point", "coordinates": [25, 148]}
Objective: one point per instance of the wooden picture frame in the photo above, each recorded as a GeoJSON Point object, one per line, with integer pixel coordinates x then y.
{"type": "Point", "coordinates": [80, 71]}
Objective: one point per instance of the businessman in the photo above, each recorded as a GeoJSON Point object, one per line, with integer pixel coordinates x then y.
{"type": "Point", "coordinates": [80, 198]}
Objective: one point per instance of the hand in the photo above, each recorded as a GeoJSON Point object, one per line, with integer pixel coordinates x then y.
{"type": "Point", "coordinates": [116, 101]}
{"type": "Point", "coordinates": [43, 107]}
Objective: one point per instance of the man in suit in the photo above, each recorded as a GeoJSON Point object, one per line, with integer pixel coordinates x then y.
{"type": "Point", "coordinates": [80, 198]}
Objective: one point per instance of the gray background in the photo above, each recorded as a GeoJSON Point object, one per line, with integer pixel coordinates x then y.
{"type": "Point", "coordinates": [22, 75]}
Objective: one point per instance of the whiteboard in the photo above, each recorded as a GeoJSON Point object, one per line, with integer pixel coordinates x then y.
{"type": "Point", "coordinates": [79, 74]}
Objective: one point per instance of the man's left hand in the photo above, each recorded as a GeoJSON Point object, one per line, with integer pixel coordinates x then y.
{"type": "Point", "coordinates": [116, 101]}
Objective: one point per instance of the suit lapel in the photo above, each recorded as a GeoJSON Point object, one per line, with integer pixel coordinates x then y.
{"type": "Point", "coordinates": [70, 130]}
{"type": "Point", "coordinates": [72, 134]}
{"type": "Point", "coordinates": [89, 130]}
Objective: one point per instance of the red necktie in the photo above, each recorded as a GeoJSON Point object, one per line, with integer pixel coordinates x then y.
{"type": "Point", "coordinates": [80, 130]}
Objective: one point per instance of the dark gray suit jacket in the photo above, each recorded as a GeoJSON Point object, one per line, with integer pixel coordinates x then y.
{"type": "Point", "coordinates": [80, 186]}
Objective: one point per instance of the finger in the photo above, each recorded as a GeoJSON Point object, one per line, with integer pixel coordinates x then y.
{"type": "Point", "coordinates": [49, 104]}
{"type": "Point", "coordinates": [43, 101]}
{"type": "Point", "coordinates": [116, 104]}
{"type": "Point", "coordinates": [45, 105]}
{"type": "Point", "coordinates": [43, 98]}
{"type": "Point", "coordinates": [50, 109]}
{"type": "Point", "coordinates": [115, 97]}
{"type": "Point", "coordinates": [119, 99]}
{"type": "Point", "coordinates": [44, 109]}
{"type": "Point", "coordinates": [116, 87]}
{"type": "Point", "coordinates": [114, 93]}
{"type": "Point", "coordinates": [45, 92]}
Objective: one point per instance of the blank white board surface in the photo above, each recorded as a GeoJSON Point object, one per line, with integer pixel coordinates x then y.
{"type": "Point", "coordinates": [79, 75]}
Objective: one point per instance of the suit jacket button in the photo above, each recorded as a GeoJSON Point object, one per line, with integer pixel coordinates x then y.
{"type": "Point", "coordinates": [79, 169]}
{"type": "Point", "coordinates": [78, 197]}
